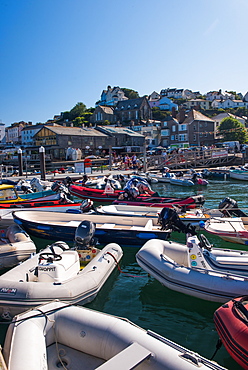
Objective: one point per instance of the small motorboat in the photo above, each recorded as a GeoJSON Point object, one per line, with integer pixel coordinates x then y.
{"type": "Point", "coordinates": [9, 198]}
{"type": "Point", "coordinates": [194, 216]}
{"type": "Point", "coordinates": [239, 174]}
{"type": "Point", "coordinates": [123, 230]}
{"type": "Point", "coordinates": [190, 202]}
{"type": "Point", "coordinates": [56, 335]}
{"type": "Point", "coordinates": [231, 324]}
{"type": "Point", "coordinates": [134, 187]}
{"type": "Point", "coordinates": [214, 275]}
{"type": "Point", "coordinates": [181, 181]}
{"type": "Point", "coordinates": [231, 229]}
{"type": "Point", "coordinates": [59, 272]}
{"type": "Point", "coordinates": [189, 179]}
{"type": "Point", "coordinates": [195, 268]}
{"type": "Point", "coordinates": [15, 246]}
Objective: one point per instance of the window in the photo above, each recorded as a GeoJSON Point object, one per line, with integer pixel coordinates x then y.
{"type": "Point", "coordinates": [194, 127]}
{"type": "Point", "coordinates": [173, 128]}
{"type": "Point", "coordinates": [172, 137]}
{"type": "Point", "coordinates": [176, 137]}
{"type": "Point", "coordinates": [194, 138]}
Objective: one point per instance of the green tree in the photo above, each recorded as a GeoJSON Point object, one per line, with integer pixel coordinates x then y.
{"type": "Point", "coordinates": [233, 130]}
{"type": "Point", "coordinates": [77, 111]}
{"type": "Point", "coordinates": [158, 114]}
{"type": "Point", "coordinates": [130, 94]}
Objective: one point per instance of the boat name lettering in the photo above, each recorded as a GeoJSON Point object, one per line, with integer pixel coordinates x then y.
{"type": "Point", "coordinates": [40, 268]}
{"type": "Point", "coordinates": [8, 290]}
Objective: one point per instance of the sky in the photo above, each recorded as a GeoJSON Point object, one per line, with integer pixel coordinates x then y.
{"type": "Point", "coordinates": [57, 53]}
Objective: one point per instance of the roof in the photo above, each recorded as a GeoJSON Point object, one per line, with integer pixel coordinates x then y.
{"type": "Point", "coordinates": [74, 131]}
{"type": "Point", "coordinates": [130, 103]}
{"type": "Point", "coordinates": [106, 109]}
{"type": "Point", "coordinates": [194, 115]}
{"type": "Point", "coordinates": [121, 130]}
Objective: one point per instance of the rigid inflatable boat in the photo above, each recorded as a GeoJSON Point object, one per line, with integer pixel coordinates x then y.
{"type": "Point", "coordinates": [56, 335]}
{"type": "Point", "coordinates": [15, 246]}
{"type": "Point", "coordinates": [231, 324]}
{"type": "Point", "coordinates": [196, 269]}
{"type": "Point", "coordinates": [58, 272]}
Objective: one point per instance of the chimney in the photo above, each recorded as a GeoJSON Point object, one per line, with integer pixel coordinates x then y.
{"type": "Point", "coordinates": [181, 115]}
{"type": "Point", "coordinates": [173, 112]}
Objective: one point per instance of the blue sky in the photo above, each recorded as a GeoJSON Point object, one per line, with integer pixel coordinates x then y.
{"type": "Point", "coordinates": [56, 53]}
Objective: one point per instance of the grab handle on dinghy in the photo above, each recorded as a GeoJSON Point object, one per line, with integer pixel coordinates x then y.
{"type": "Point", "coordinates": [240, 308]}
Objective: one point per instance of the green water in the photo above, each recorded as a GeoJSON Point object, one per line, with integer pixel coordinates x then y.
{"type": "Point", "coordinates": [186, 320]}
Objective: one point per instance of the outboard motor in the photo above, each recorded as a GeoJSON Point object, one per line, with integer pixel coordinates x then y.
{"type": "Point", "coordinates": [86, 206]}
{"type": "Point", "coordinates": [229, 207]}
{"type": "Point", "coordinates": [56, 186]}
{"type": "Point", "coordinates": [169, 219]}
{"type": "Point", "coordinates": [84, 235]}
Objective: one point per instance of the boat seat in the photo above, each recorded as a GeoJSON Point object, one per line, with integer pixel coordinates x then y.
{"type": "Point", "coordinates": [129, 358]}
{"type": "Point", "coordinates": [232, 260]}
{"type": "Point", "coordinates": [148, 226]}
{"type": "Point", "coordinates": [108, 226]}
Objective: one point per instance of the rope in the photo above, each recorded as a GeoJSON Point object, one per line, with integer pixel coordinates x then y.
{"type": "Point", "coordinates": [122, 272]}
{"type": "Point", "coordinates": [218, 346]}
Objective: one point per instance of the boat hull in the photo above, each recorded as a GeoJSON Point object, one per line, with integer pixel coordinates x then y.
{"type": "Point", "coordinates": [56, 334]}
{"type": "Point", "coordinates": [233, 330]}
{"type": "Point", "coordinates": [133, 231]}
{"type": "Point", "coordinates": [207, 284]}
{"type": "Point", "coordinates": [21, 289]}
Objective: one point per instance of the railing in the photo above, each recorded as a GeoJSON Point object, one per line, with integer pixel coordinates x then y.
{"type": "Point", "coordinates": [192, 159]}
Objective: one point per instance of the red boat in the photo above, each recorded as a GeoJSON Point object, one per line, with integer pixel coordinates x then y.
{"type": "Point", "coordinates": [100, 195]}
{"type": "Point", "coordinates": [148, 201]}
{"type": "Point", "coordinates": [231, 322]}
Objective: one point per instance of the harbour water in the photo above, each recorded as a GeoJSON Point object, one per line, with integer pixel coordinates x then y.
{"type": "Point", "coordinates": [132, 294]}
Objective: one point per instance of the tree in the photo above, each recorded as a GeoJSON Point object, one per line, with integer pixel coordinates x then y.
{"type": "Point", "coordinates": [77, 111]}
{"type": "Point", "coordinates": [233, 130]}
{"type": "Point", "coordinates": [158, 114]}
{"type": "Point", "coordinates": [130, 94]}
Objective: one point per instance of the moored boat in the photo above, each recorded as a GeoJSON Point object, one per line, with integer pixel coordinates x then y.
{"type": "Point", "coordinates": [59, 272]}
{"type": "Point", "coordinates": [56, 335]}
{"type": "Point", "coordinates": [123, 230]}
{"type": "Point", "coordinates": [231, 324]}
{"type": "Point", "coordinates": [15, 246]}
{"type": "Point", "coordinates": [239, 174]}
{"type": "Point", "coordinates": [196, 268]}
{"type": "Point", "coordinates": [231, 229]}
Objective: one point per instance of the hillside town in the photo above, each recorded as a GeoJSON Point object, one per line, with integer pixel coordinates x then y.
{"type": "Point", "coordinates": [171, 119]}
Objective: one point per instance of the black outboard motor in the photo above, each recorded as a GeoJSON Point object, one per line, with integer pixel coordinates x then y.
{"type": "Point", "coordinates": [229, 207]}
{"type": "Point", "coordinates": [169, 219]}
{"type": "Point", "coordinates": [84, 235]}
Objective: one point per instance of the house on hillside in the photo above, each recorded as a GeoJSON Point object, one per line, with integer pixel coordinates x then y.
{"type": "Point", "coordinates": [111, 96]}
{"type": "Point", "coordinates": [101, 114]}
{"type": "Point", "coordinates": [132, 111]}
{"type": "Point", "coordinates": [166, 104]}
{"type": "Point", "coordinates": [219, 117]}
{"type": "Point", "coordinates": [153, 99]}
{"type": "Point", "coordinates": [197, 103]}
{"type": "Point", "coordinates": [13, 132]}
{"type": "Point", "coordinates": [228, 103]}
{"type": "Point", "coordinates": [201, 129]}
